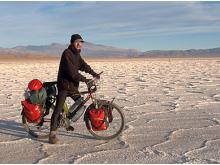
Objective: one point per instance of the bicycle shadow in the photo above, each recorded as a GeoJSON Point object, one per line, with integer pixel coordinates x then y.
{"type": "Point", "coordinates": [15, 129]}
{"type": "Point", "coordinates": [12, 128]}
{"type": "Point", "coordinates": [78, 135]}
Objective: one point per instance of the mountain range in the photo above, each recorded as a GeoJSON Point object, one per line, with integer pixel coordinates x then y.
{"type": "Point", "coordinates": [95, 50]}
{"type": "Point", "coordinates": [213, 52]}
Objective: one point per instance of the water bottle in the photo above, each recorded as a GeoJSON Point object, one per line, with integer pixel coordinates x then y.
{"type": "Point", "coordinates": [77, 109]}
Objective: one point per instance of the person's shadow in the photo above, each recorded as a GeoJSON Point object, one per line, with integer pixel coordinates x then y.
{"type": "Point", "coordinates": [13, 128]}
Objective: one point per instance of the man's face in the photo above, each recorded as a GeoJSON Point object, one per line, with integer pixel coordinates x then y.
{"type": "Point", "coordinates": [78, 44]}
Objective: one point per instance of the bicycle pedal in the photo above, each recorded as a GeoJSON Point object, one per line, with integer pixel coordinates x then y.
{"type": "Point", "coordinates": [70, 128]}
{"type": "Point", "coordinates": [40, 124]}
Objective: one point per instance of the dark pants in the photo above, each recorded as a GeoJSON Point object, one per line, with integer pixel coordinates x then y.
{"type": "Point", "coordinates": [61, 98]}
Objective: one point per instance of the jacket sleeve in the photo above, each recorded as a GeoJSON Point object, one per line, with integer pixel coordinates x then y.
{"type": "Point", "coordinates": [71, 68]}
{"type": "Point", "coordinates": [85, 67]}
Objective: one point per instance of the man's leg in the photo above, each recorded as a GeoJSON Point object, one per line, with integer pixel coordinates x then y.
{"type": "Point", "coordinates": [75, 96]}
{"type": "Point", "coordinates": [61, 98]}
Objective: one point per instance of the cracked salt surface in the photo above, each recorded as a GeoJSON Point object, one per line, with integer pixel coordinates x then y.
{"type": "Point", "coordinates": [171, 109]}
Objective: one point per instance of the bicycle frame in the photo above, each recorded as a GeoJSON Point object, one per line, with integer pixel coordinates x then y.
{"type": "Point", "coordinates": [89, 96]}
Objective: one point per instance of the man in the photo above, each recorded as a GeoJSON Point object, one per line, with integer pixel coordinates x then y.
{"type": "Point", "coordinates": [68, 80]}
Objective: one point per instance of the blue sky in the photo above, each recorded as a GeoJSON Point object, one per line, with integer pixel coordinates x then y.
{"type": "Point", "coordinates": [141, 25]}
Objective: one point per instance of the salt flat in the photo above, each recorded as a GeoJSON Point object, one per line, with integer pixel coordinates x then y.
{"type": "Point", "coordinates": [172, 109]}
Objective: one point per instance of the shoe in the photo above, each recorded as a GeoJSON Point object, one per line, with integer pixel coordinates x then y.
{"type": "Point", "coordinates": [70, 128]}
{"type": "Point", "coordinates": [52, 138]}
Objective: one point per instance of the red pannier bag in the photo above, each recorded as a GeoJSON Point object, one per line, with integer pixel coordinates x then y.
{"type": "Point", "coordinates": [98, 120]}
{"type": "Point", "coordinates": [31, 111]}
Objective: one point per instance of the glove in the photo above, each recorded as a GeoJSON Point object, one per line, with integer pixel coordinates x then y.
{"type": "Point", "coordinates": [96, 75]}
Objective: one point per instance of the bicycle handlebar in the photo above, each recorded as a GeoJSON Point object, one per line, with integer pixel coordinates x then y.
{"type": "Point", "coordinates": [92, 80]}
{"type": "Point", "coordinates": [92, 83]}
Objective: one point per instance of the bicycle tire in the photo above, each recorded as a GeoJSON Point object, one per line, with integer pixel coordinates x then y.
{"type": "Point", "coordinates": [95, 133]}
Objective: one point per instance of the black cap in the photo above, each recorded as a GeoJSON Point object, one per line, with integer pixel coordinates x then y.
{"type": "Point", "coordinates": [75, 37]}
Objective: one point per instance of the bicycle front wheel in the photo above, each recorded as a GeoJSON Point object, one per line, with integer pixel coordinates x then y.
{"type": "Point", "coordinates": [115, 119]}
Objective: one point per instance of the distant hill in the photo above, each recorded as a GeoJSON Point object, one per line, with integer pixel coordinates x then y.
{"type": "Point", "coordinates": [91, 49]}
{"type": "Point", "coordinates": [214, 52]}
{"type": "Point", "coordinates": [95, 50]}
{"type": "Point", "coordinates": [56, 49]}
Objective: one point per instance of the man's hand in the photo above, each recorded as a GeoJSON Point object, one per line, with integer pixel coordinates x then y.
{"type": "Point", "coordinates": [95, 75]}
{"type": "Point", "coordinates": [88, 81]}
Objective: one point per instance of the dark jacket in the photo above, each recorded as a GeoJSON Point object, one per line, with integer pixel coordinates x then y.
{"type": "Point", "coordinates": [68, 75]}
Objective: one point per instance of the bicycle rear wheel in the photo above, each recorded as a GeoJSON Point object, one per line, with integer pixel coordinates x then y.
{"type": "Point", "coordinates": [37, 130]}
{"type": "Point", "coordinates": [115, 127]}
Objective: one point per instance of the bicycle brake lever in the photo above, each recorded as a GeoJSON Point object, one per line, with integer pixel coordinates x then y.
{"type": "Point", "coordinates": [100, 73]}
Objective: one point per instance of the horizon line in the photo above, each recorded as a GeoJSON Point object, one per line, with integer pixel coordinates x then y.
{"type": "Point", "coordinates": [113, 47]}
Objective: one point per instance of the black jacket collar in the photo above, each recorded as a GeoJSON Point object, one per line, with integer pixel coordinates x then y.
{"type": "Point", "coordinates": [74, 50]}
